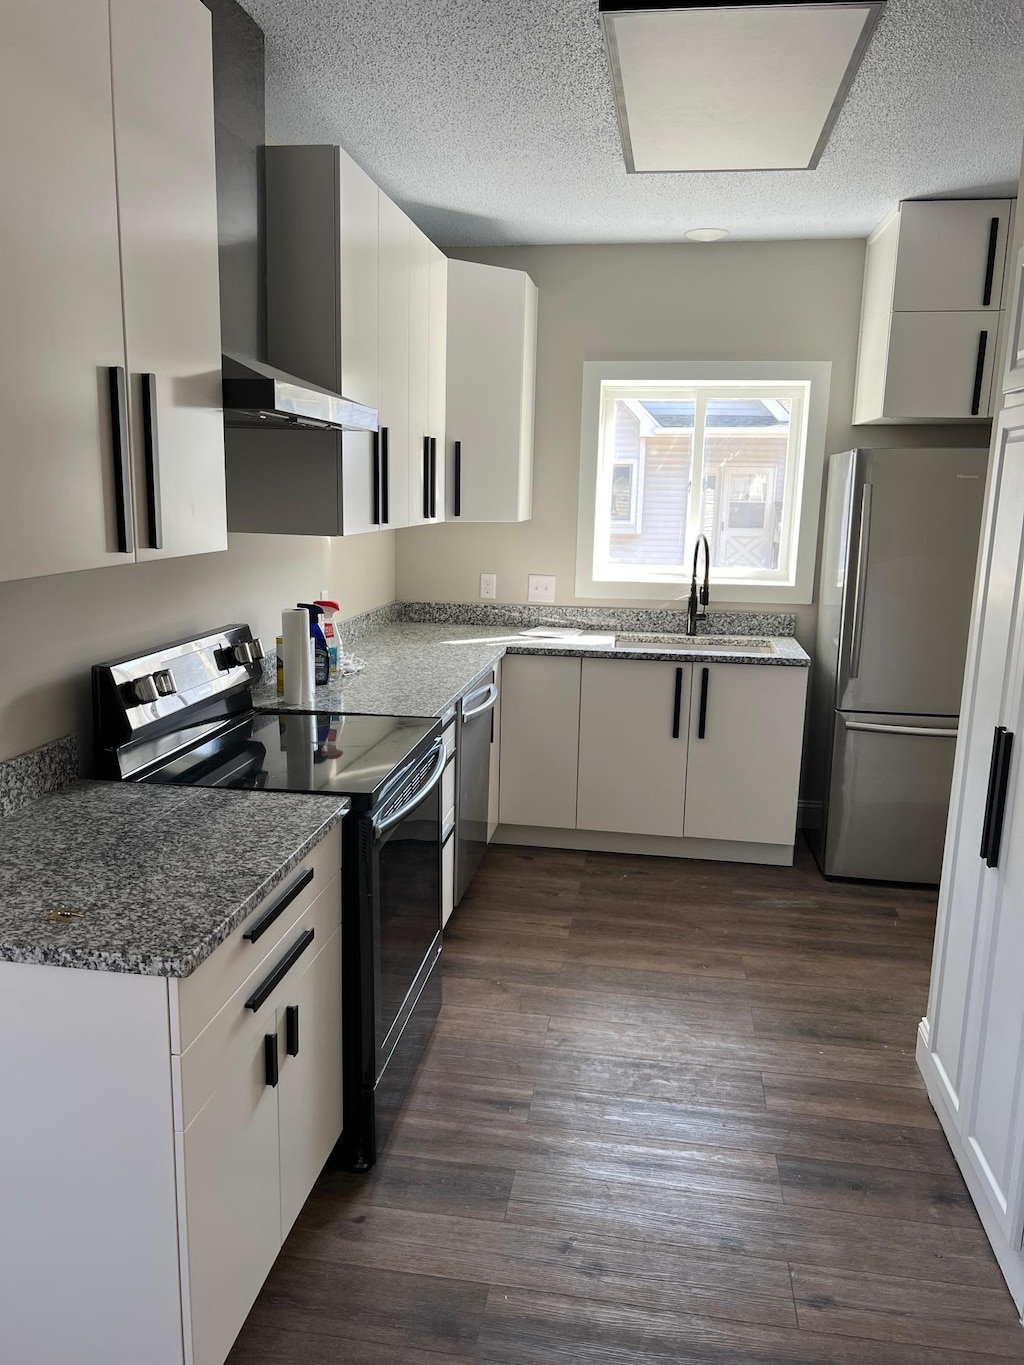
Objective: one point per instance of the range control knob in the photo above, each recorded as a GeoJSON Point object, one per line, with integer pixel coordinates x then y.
{"type": "Point", "coordinates": [165, 683]}
{"type": "Point", "coordinates": [145, 689]}
{"type": "Point", "coordinates": [256, 650]}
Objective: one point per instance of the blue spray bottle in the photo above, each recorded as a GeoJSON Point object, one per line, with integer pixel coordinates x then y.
{"type": "Point", "coordinates": [321, 654]}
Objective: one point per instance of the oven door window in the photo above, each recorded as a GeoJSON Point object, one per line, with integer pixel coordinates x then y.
{"type": "Point", "coordinates": [407, 876]}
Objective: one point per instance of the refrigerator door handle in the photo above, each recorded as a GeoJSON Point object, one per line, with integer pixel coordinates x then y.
{"type": "Point", "coordinates": [860, 586]}
{"type": "Point", "coordinates": [926, 732]}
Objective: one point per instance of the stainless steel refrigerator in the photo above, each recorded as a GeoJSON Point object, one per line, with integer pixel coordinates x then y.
{"type": "Point", "coordinates": [901, 537]}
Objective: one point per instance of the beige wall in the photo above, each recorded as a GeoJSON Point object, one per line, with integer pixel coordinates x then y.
{"type": "Point", "coordinates": [53, 629]}
{"type": "Point", "coordinates": [732, 301]}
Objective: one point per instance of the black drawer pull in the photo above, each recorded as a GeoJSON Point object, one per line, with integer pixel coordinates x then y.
{"type": "Point", "coordinates": [278, 908]}
{"type": "Point", "coordinates": [998, 789]}
{"type": "Point", "coordinates": [426, 478]}
{"type": "Point", "coordinates": [385, 475]}
{"type": "Point", "coordinates": [990, 267]}
{"type": "Point", "coordinates": [702, 720]}
{"type": "Point", "coordinates": [270, 1066]}
{"type": "Point", "coordinates": [151, 444]}
{"type": "Point", "coordinates": [677, 707]}
{"type": "Point", "coordinates": [376, 478]}
{"type": "Point", "coordinates": [433, 476]}
{"type": "Point", "coordinates": [979, 374]}
{"type": "Point", "coordinates": [291, 1030]}
{"type": "Point", "coordinates": [270, 984]}
{"type": "Point", "coordinates": [122, 459]}
{"type": "Point", "coordinates": [457, 493]}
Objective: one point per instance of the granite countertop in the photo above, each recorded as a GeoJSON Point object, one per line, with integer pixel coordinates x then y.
{"type": "Point", "coordinates": [422, 670]}
{"type": "Point", "coordinates": [160, 876]}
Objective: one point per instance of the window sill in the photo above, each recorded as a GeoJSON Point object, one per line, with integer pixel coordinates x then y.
{"type": "Point", "coordinates": [669, 591]}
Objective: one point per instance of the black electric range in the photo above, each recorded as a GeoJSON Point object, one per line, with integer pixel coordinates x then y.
{"type": "Point", "coordinates": [183, 715]}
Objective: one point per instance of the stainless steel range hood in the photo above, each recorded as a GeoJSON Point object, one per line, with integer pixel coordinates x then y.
{"type": "Point", "coordinates": [257, 394]}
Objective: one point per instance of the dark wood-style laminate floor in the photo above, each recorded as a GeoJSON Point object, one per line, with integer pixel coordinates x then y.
{"type": "Point", "coordinates": [670, 1114]}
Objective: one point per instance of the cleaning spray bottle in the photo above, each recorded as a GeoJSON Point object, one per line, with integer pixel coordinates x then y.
{"type": "Point", "coordinates": [332, 633]}
{"type": "Point", "coordinates": [321, 654]}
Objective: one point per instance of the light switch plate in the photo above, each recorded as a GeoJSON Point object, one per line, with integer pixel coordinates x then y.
{"type": "Point", "coordinates": [489, 586]}
{"type": "Point", "coordinates": [542, 587]}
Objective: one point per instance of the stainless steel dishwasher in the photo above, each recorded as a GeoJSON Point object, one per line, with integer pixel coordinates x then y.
{"type": "Point", "coordinates": [473, 756]}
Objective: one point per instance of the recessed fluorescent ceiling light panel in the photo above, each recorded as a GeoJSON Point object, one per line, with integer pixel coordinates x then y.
{"type": "Point", "coordinates": [732, 87]}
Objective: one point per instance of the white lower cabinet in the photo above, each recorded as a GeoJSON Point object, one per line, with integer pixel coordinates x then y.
{"type": "Point", "coordinates": [743, 764]}
{"type": "Point", "coordinates": [632, 749]}
{"type": "Point", "coordinates": [540, 730]}
{"type": "Point", "coordinates": [448, 877]}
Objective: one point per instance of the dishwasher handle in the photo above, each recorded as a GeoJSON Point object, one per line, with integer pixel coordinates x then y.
{"type": "Point", "coordinates": [923, 731]}
{"type": "Point", "coordinates": [490, 697]}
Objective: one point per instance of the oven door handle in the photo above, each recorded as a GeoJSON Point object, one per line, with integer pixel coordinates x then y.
{"type": "Point", "coordinates": [490, 696]}
{"type": "Point", "coordinates": [382, 826]}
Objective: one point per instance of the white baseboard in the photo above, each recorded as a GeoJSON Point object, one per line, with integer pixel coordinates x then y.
{"type": "Point", "coordinates": [648, 845]}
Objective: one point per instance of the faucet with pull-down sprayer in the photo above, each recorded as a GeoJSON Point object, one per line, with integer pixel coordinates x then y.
{"type": "Point", "coordinates": [699, 597]}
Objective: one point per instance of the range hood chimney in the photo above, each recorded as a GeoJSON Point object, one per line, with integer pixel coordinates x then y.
{"type": "Point", "coordinates": [255, 394]}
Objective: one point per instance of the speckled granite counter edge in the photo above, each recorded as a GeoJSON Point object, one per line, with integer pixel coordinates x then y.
{"type": "Point", "coordinates": [29, 776]}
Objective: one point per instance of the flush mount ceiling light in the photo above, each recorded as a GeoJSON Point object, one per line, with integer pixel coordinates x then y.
{"type": "Point", "coordinates": [732, 87]}
{"type": "Point", "coordinates": [706, 234]}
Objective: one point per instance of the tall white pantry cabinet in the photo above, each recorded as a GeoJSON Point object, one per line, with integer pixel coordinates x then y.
{"type": "Point", "coordinates": [971, 1044]}
{"type": "Point", "coordinates": [113, 445]}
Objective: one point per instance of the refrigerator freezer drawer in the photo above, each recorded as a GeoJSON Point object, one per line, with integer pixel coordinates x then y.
{"type": "Point", "coordinates": [889, 797]}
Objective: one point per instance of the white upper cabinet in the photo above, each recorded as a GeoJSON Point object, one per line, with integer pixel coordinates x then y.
{"type": "Point", "coordinates": [71, 468]}
{"type": "Point", "coordinates": [633, 726]}
{"type": "Point", "coordinates": [934, 288]}
{"type": "Point", "coordinates": [394, 314]}
{"type": "Point", "coordinates": [743, 765]}
{"type": "Point", "coordinates": [167, 202]}
{"type": "Point", "coordinates": [1013, 374]}
{"type": "Point", "coordinates": [951, 256]}
{"type": "Point", "coordinates": [492, 363]}
{"type": "Point", "coordinates": [422, 463]}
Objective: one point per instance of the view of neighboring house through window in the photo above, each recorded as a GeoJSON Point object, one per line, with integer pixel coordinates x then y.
{"type": "Point", "coordinates": [678, 460]}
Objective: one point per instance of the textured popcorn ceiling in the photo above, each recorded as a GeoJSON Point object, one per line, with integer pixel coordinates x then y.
{"type": "Point", "coordinates": [493, 124]}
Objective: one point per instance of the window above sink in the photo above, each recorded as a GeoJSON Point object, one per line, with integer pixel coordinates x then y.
{"type": "Point", "coordinates": [674, 450]}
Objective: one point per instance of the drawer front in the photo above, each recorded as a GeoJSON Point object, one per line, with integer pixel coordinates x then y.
{"type": "Point", "coordinates": [214, 981]}
{"type": "Point", "coordinates": [448, 799]}
{"type": "Point", "coordinates": [448, 879]}
{"type": "Point", "coordinates": [448, 738]}
{"type": "Point", "coordinates": [198, 1071]}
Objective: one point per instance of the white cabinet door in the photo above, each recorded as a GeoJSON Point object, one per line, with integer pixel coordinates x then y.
{"type": "Point", "coordinates": [422, 495]}
{"type": "Point", "coordinates": [167, 198]}
{"type": "Point", "coordinates": [966, 882]}
{"type": "Point", "coordinates": [1013, 377]}
{"type": "Point", "coordinates": [232, 1189]}
{"type": "Point", "coordinates": [393, 375]}
{"type": "Point", "coordinates": [941, 366]}
{"type": "Point", "coordinates": [492, 340]}
{"type": "Point", "coordinates": [746, 741]}
{"type": "Point", "coordinates": [309, 1096]}
{"type": "Point", "coordinates": [437, 375]}
{"type": "Point", "coordinates": [60, 293]}
{"type": "Point", "coordinates": [952, 255]}
{"type": "Point", "coordinates": [540, 732]}
{"type": "Point", "coordinates": [634, 717]}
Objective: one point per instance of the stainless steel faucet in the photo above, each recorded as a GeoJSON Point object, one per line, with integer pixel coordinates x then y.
{"type": "Point", "coordinates": [699, 597]}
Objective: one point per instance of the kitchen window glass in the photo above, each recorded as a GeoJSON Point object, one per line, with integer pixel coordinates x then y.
{"type": "Point", "coordinates": [679, 460]}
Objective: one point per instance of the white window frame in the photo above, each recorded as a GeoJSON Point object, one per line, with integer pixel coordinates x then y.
{"type": "Point", "coordinates": [792, 587]}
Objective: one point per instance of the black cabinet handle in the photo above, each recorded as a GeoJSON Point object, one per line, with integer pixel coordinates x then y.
{"type": "Point", "coordinates": [376, 478]}
{"type": "Point", "coordinates": [702, 719]}
{"type": "Point", "coordinates": [433, 476]}
{"type": "Point", "coordinates": [151, 447]}
{"type": "Point", "coordinates": [280, 905]}
{"type": "Point", "coordinates": [122, 458]}
{"type": "Point", "coordinates": [979, 374]}
{"type": "Point", "coordinates": [457, 471]}
{"type": "Point", "coordinates": [426, 477]}
{"type": "Point", "coordinates": [385, 475]}
{"type": "Point", "coordinates": [291, 1030]}
{"type": "Point", "coordinates": [998, 788]}
{"type": "Point", "coordinates": [271, 982]}
{"type": "Point", "coordinates": [677, 708]}
{"type": "Point", "coordinates": [270, 1067]}
{"type": "Point", "coordinates": [990, 267]}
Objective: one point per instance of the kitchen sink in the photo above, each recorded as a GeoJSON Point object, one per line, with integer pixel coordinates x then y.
{"type": "Point", "coordinates": [696, 644]}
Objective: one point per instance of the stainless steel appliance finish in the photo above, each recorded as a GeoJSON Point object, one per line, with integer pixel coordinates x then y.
{"type": "Point", "coordinates": [183, 716]}
{"type": "Point", "coordinates": [473, 749]}
{"type": "Point", "coordinates": [257, 394]}
{"type": "Point", "coordinates": [902, 529]}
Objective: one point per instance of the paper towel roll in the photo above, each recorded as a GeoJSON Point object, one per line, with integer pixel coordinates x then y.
{"type": "Point", "coordinates": [298, 666]}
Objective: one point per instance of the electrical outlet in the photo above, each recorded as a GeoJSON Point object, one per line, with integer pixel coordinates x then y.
{"type": "Point", "coordinates": [542, 587]}
{"type": "Point", "coordinates": [489, 586]}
